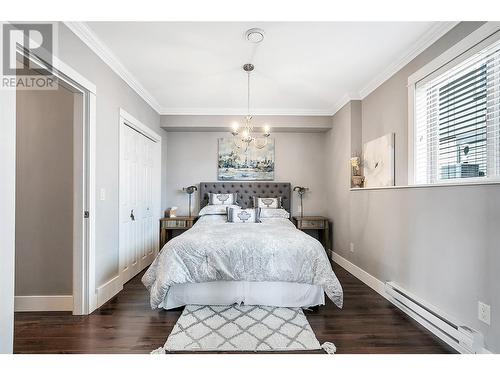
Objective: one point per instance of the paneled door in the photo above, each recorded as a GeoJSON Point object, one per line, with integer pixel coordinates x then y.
{"type": "Point", "coordinates": [139, 203]}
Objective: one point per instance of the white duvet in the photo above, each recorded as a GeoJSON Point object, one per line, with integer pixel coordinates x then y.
{"type": "Point", "coordinates": [214, 250]}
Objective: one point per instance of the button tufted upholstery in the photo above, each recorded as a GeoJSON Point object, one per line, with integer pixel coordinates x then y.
{"type": "Point", "coordinates": [247, 190]}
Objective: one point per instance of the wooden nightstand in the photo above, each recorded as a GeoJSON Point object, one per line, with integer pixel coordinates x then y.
{"type": "Point", "coordinates": [317, 223]}
{"type": "Point", "coordinates": [170, 224]}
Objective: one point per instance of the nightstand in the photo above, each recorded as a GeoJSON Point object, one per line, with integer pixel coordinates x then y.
{"type": "Point", "coordinates": [317, 223]}
{"type": "Point", "coordinates": [169, 225]}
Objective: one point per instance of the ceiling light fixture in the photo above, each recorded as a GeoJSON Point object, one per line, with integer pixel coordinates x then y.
{"type": "Point", "coordinates": [246, 137]}
{"type": "Point", "coordinates": [255, 35]}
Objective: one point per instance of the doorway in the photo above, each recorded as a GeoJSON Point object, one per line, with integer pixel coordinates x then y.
{"type": "Point", "coordinates": [84, 146]}
{"type": "Point", "coordinates": [83, 94]}
{"type": "Point", "coordinates": [44, 198]}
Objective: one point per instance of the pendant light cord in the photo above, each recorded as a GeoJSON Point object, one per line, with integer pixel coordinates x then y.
{"type": "Point", "coordinates": [248, 94]}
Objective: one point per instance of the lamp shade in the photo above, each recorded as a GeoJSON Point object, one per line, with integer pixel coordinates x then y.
{"type": "Point", "coordinates": [300, 189]}
{"type": "Point", "coordinates": [190, 189]}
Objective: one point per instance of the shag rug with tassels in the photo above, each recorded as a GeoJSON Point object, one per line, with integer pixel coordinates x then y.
{"type": "Point", "coordinates": [242, 328]}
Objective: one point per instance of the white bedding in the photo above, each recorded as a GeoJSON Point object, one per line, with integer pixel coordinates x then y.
{"type": "Point", "coordinates": [267, 293]}
{"type": "Point", "coordinates": [214, 250]}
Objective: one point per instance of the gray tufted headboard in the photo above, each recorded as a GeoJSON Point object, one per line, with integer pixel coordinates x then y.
{"type": "Point", "coordinates": [247, 190]}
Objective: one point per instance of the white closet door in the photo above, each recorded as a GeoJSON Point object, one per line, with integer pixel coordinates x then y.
{"type": "Point", "coordinates": [148, 225]}
{"type": "Point", "coordinates": [137, 224]}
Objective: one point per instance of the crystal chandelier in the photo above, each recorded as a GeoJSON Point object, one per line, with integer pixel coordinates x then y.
{"type": "Point", "coordinates": [246, 136]}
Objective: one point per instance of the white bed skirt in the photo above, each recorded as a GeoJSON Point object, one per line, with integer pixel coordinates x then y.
{"type": "Point", "coordinates": [280, 294]}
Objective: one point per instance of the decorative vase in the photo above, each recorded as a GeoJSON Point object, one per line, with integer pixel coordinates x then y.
{"type": "Point", "coordinates": [357, 181]}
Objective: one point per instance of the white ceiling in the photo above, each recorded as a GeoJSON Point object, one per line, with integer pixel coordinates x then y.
{"type": "Point", "coordinates": [300, 68]}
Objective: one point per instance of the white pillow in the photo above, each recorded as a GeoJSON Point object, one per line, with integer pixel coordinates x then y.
{"type": "Point", "coordinates": [259, 202]}
{"type": "Point", "coordinates": [216, 209]}
{"type": "Point", "coordinates": [274, 213]}
{"type": "Point", "coordinates": [240, 215]}
{"type": "Point", "coordinates": [222, 198]}
{"type": "Point", "coordinates": [212, 219]}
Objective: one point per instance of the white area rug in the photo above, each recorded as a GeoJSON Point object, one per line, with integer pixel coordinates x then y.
{"type": "Point", "coordinates": [242, 328]}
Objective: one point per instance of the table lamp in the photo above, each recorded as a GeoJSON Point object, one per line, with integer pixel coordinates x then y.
{"type": "Point", "coordinates": [190, 190]}
{"type": "Point", "coordinates": [301, 190]}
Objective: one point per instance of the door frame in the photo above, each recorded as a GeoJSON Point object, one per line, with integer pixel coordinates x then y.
{"type": "Point", "coordinates": [84, 178]}
{"type": "Point", "coordinates": [84, 291]}
{"type": "Point", "coordinates": [8, 218]}
{"type": "Point", "coordinates": [126, 119]}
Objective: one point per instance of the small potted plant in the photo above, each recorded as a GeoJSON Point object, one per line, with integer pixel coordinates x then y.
{"type": "Point", "coordinates": [356, 178]}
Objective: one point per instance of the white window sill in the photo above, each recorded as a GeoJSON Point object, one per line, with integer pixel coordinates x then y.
{"type": "Point", "coordinates": [439, 185]}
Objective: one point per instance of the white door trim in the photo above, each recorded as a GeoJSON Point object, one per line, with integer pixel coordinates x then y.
{"type": "Point", "coordinates": [84, 290]}
{"type": "Point", "coordinates": [139, 126]}
{"type": "Point", "coordinates": [8, 217]}
{"type": "Point", "coordinates": [84, 267]}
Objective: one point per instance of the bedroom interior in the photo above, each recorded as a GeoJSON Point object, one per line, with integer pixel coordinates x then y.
{"type": "Point", "coordinates": [252, 191]}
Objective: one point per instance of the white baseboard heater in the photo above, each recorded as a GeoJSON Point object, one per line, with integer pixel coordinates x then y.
{"type": "Point", "coordinates": [462, 338]}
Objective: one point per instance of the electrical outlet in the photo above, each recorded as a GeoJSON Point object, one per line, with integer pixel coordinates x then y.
{"type": "Point", "coordinates": [483, 312]}
{"type": "Point", "coordinates": [102, 194]}
{"type": "Point", "coordinates": [351, 247]}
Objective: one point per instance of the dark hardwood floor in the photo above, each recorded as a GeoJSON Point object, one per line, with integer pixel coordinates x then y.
{"type": "Point", "coordinates": [126, 324]}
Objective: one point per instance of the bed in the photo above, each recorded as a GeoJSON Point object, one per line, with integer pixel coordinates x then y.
{"type": "Point", "coordinates": [220, 263]}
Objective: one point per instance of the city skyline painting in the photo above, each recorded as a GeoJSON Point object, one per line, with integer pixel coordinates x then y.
{"type": "Point", "coordinates": [240, 164]}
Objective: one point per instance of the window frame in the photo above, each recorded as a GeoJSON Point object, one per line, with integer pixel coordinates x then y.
{"type": "Point", "coordinates": [474, 42]}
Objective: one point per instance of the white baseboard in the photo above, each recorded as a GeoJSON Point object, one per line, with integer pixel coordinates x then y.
{"type": "Point", "coordinates": [360, 274]}
{"type": "Point", "coordinates": [108, 290]}
{"type": "Point", "coordinates": [43, 303]}
{"type": "Point", "coordinates": [379, 287]}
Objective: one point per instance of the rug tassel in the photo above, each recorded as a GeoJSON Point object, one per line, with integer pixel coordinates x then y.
{"type": "Point", "coordinates": [329, 347]}
{"type": "Point", "coordinates": [160, 350]}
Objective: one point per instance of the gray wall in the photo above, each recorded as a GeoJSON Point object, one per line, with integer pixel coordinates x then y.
{"type": "Point", "coordinates": [441, 243]}
{"type": "Point", "coordinates": [337, 154]}
{"type": "Point", "coordinates": [192, 158]}
{"type": "Point", "coordinates": [112, 93]}
{"type": "Point", "coordinates": [44, 193]}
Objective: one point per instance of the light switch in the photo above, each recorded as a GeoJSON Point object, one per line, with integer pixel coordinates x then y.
{"type": "Point", "coordinates": [102, 194]}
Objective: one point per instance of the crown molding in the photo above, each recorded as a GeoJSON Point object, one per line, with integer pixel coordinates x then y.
{"type": "Point", "coordinates": [81, 30]}
{"type": "Point", "coordinates": [424, 42]}
{"type": "Point", "coordinates": [343, 101]}
{"type": "Point", "coordinates": [243, 112]}
{"type": "Point", "coordinates": [101, 50]}
{"type": "Point", "coordinates": [429, 38]}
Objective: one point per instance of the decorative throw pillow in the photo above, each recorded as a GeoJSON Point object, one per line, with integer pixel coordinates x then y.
{"type": "Point", "coordinates": [267, 202]}
{"type": "Point", "coordinates": [222, 198]}
{"type": "Point", "coordinates": [216, 209]}
{"type": "Point", "coordinates": [274, 213]}
{"type": "Point", "coordinates": [240, 215]}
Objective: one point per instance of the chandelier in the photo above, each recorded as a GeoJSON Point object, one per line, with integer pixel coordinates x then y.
{"type": "Point", "coordinates": [246, 136]}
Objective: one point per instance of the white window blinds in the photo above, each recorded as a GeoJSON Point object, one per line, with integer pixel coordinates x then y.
{"type": "Point", "coordinates": [457, 109]}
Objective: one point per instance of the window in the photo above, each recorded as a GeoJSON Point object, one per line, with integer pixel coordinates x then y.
{"type": "Point", "coordinates": [457, 108]}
